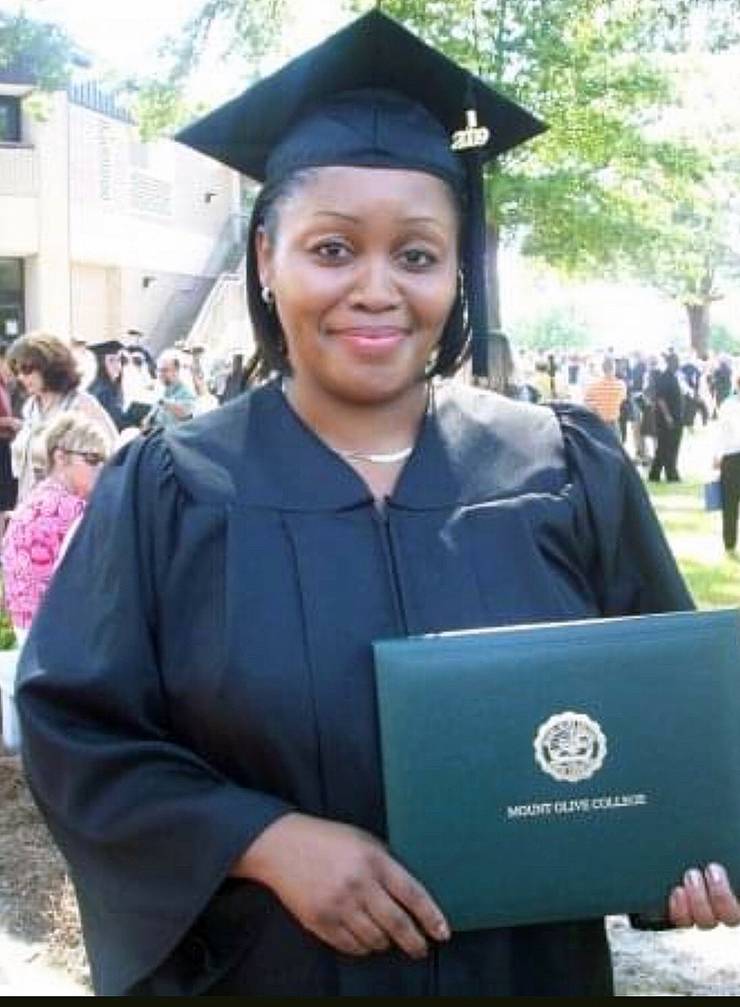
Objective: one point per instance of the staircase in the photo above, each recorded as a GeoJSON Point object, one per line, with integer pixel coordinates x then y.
{"type": "Point", "coordinates": [222, 325]}
{"type": "Point", "coordinates": [184, 307]}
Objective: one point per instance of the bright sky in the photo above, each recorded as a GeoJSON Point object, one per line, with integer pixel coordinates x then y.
{"type": "Point", "coordinates": [126, 34]}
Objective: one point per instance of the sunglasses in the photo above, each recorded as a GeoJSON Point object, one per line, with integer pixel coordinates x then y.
{"type": "Point", "coordinates": [92, 458]}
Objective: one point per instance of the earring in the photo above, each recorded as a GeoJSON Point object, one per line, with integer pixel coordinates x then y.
{"type": "Point", "coordinates": [267, 296]}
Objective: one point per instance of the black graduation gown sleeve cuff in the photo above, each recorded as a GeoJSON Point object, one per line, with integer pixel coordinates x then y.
{"type": "Point", "coordinates": [149, 829]}
{"type": "Point", "coordinates": [632, 568]}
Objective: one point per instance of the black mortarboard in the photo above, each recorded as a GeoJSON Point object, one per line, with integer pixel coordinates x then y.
{"type": "Point", "coordinates": [105, 347]}
{"type": "Point", "coordinates": [374, 95]}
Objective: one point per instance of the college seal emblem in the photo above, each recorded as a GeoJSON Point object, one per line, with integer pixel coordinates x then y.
{"type": "Point", "coordinates": [570, 747]}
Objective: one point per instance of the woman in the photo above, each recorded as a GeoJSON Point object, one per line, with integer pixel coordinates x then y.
{"type": "Point", "coordinates": [75, 448]}
{"type": "Point", "coordinates": [225, 825]}
{"type": "Point", "coordinates": [9, 427]}
{"type": "Point", "coordinates": [46, 369]}
{"type": "Point", "coordinates": [107, 386]}
{"type": "Point", "coordinates": [728, 462]}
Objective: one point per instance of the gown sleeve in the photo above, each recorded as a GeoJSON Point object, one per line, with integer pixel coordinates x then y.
{"type": "Point", "coordinates": [632, 569]}
{"type": "Point", "coordinates": [148, 828]}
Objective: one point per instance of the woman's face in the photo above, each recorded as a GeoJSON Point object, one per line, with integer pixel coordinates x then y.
{"type": "Point", "coordinates": [32, 379]}
{"type": "Point", "coordinates": [113, 365]}
{"type": "Point", "coordinates": [78, 470]}
{"type": "Point", "coordinates": [363, 268]}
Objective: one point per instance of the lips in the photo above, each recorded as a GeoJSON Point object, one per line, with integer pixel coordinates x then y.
{"type": "Point", "coordinates": [371, 341]}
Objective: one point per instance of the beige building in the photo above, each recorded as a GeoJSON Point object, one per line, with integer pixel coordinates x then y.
{"type": "Point", "coordinates": [102, 235]}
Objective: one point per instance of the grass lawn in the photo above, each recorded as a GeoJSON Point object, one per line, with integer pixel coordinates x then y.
{"type": "Point", "coordinates": [696, 539]}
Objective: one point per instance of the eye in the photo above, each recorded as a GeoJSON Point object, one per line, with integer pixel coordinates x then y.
{"type": "Point", "coordinates": [332, 251]}
{"type": "Point", "coordinates": [418, 258]}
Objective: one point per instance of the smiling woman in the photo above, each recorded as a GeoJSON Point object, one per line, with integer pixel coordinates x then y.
{"type": "Point", "coordinates": [203, 737]}
{"type": "Point", "coordinates": [363, 289]}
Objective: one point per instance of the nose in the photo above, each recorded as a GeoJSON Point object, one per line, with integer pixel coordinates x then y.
{"type": "Point", "coordinates": [375, 288]}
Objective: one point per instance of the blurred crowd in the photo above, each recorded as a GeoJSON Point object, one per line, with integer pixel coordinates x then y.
{"type": "Point", "coordinates": [648, 399]}
{"type": "Point", "coordinates": [64, 408]}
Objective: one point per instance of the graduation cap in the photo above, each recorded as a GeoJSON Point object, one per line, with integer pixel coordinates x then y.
{"type": "Point", "coordinates": [374, 95]}
{"type": "Point", "coordinates": [106, 347]}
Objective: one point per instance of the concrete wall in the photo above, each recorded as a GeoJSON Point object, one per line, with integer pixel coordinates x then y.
{"type": "Point", "coordinates": [93, 211]}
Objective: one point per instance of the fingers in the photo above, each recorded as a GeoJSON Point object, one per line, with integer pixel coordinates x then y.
{"type": "Point", "coordinates": [387, 908]}
{"type": "Point", "coordinates": [704, 900]}
{"type": "Point", "coordinates": [679, 912]}
{"type": "Point", "coordinates": [405, 911]}
{"type": "Point", "coordinates": [412, 896]}
{"type": "Point", "coordinates": [370, 936]}
{"type": "Point", "coordinates": [345, 941]}
{"type": "Point", "coordinates": [397, 924]}
{"type": "Point", "coordinates": [721, 896]}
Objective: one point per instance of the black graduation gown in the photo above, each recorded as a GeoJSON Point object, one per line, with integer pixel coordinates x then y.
{"type": "Point", "coordinates": [110, 397]}
{"type": "Point", "coordinates": [202, 664]}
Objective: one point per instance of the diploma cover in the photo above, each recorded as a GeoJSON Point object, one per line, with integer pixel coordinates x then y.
{"type": "Point", "coordinates": [562, 771]}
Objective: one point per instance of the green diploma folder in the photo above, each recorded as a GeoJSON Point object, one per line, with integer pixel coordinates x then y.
{"type": "Point", "coordinates": [562, 771]}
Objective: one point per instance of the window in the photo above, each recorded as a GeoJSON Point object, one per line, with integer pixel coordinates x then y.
{"type": "Point", "coordinates": [10, 119]}
{"type": "Point", "coordinates": [11, 298]}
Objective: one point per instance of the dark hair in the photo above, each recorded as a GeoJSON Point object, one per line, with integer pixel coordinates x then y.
{"type": "Point", "coordinates": [101, 373]}
{"type": "Point", "coordinates": [49, 356]}
{"type": "Point", "coordinates": [454, 345]}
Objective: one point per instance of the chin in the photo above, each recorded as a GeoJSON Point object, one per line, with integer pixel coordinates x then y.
{"type": "Point", "coordinates": [379, 389]}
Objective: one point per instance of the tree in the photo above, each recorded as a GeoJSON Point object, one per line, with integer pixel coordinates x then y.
{"type": "Point", "coordinates": [40, 52]}
{"type": "Point", "coordinates": [724, 340]}
{"type": "Point", "coordinates": [695, 253]}
{"type": "Point", "coordinates": [583, 196]}
{"type": "Point", "coordinates": [557, 329]}
{"type": "Point", "coordinates": [243, 33]}
{"type": "Point", "coordinates": [573, 192]}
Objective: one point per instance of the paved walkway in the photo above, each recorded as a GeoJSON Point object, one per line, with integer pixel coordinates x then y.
{"type": "Point", "coordinates": [22, 975]}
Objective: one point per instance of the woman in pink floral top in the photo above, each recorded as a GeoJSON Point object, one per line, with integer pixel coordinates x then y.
{"type": "Point", "coordinates": [76, 448]}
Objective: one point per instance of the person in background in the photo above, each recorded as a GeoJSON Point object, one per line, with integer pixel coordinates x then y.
{"type": "Point", "coordinates": [728, 462]}
{"type": "Point", "coordinates": [668, 398]}
{"type": "Point", "coordinates": [46, 368]}
{"type": "Point", "coordinates": [205, 400]}
{"type": "Point", "coordinates": [241, 376]}
{"type": "Point", "coordinates": [75, 448]}
{"type": "Point", "coordinates": [720, 381]}
{"type": "Point", "coordinates": [10, 424]}
{"type": "Point", "coordinates": [139, 384]}
{"type": "Point", "coordinates": [108, 384]}
{"type": "Point", "coordinates": [502, 376]}
{"type": "Point", "coordinates": [85, 362]}
{"type": "Point", "coordinates": [636, 391]}
{"type": "Point", "coordinates": [203, 737]}
{"type": "Point", "coordinates": [605, 395]}
{"type": "Point", "coordinates": [177, 403]}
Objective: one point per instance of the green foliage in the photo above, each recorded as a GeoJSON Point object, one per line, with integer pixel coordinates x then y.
{"type": "Point", "coordinates": [558, 329]}
{"type": "Point", "coordinates": [159, 107]}
{"type": "Point", "coordinates": [695, 216]}
{"type": "Point", "coordinates": [241, 31]}
{"type": "Point", "coordinates": [724, 340]}
{"type": "Point", "coordinates": [609, 189]}
{"type": "Point", "coordinates": [8, 639]}
{"type": "Point", "coordinates": [580, 190]}
{"type": "Point", "coordinates": [38, 49]}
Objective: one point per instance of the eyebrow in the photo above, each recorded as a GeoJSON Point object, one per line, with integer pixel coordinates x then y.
{"type": "Point", "coordinates": [356, 220]}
